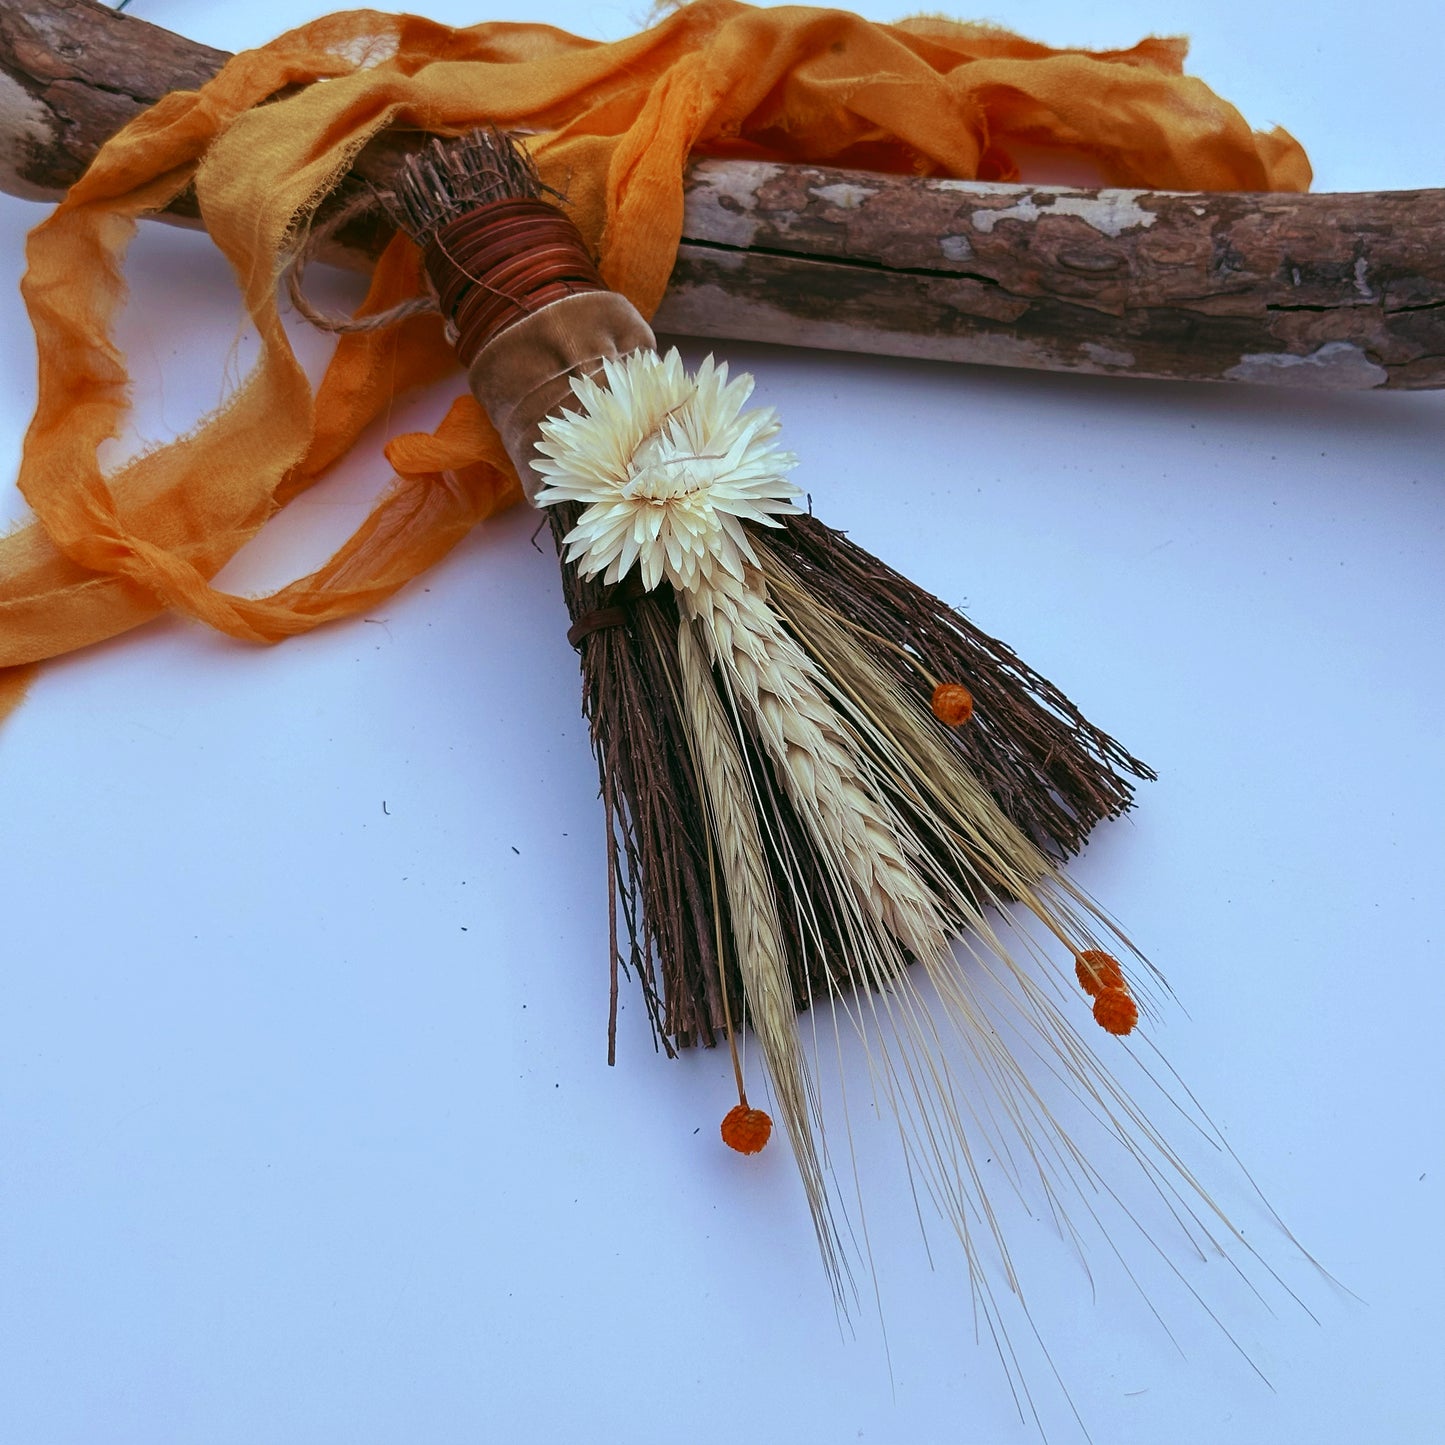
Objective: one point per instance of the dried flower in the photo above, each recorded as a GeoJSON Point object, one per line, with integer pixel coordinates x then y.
{"type": "Point", "coordinates": [952, 704]}
{"type": "Point", "coordinates": [668, 468]}
{"type": "Point", "coordinates": [1098, 970]}
{"type": "Point", "coordinates": [1115, 1011]}
{"type": "Point", "coordinates": [746, 1129]}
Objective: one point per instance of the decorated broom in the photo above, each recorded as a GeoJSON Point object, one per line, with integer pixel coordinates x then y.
{"type": "Point", "coordinates": [816, 776]}
{"type": "Point", "coordinates": [822, 786]}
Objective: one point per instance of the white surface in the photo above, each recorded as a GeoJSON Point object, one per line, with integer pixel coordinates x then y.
{"type": "Point", "coordinates": [306, 1133]}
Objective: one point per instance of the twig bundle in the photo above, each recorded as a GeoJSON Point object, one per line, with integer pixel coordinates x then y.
{"type": "Point", "coordinates": [815, 774]}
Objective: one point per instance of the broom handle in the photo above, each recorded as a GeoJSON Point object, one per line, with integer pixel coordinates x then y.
{"type": "Point", "coordinates": [1343, 291]}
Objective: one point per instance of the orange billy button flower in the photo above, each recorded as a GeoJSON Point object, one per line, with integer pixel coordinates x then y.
{"type": "Point", "coordinates": [1098, 970]}
{"type": "Point", "coordinates": [952, 704]}
{"type": "Point", "coordinates": [745, 1129]}
{"type": "Point", "coordinates": [1115, 1011]}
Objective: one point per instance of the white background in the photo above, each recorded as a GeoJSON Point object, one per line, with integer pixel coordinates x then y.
{"type": "Point", "coordinates": [306, 1133]}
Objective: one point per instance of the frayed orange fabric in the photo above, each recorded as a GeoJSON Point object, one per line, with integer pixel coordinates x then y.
{"type": "Point", "coordinates": [615, 125]}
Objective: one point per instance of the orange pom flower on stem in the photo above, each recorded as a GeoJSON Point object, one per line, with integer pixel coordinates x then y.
{"type": "Point", "coordinates": [1115, 1011]}
{"type": "Point", "coordinates": [1098, 970]}
{"type": "Point", "coordinates": [952, 704]}
{"type": "Point", "coordinates": [745, 1129]}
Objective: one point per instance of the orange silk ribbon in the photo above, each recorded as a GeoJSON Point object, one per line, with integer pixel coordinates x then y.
{"type": "Point", "coordinates": [615, 125]}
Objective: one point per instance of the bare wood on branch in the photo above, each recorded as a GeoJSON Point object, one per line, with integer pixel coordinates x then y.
{"type": "Point", "coordinates": [1342, 291]}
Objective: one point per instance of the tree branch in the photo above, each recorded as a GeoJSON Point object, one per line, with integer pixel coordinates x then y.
{"type": "Point", "coordinates": [1344, 291]}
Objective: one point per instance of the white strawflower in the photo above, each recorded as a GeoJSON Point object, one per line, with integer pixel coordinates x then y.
{"type": "Point", "coordinates": [668, 468]}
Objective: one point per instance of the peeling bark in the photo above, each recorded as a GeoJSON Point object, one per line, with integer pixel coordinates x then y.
{"type": "Point", "coordinates": [1343, 291]}
{"type": "Point", "coordinates": [1340, 291]}
{"type": "Point", "coordinates": [73, 73]}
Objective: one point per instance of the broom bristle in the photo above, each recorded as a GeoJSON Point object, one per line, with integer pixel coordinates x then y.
{"type": "Point", "coordinates": [436, 184]}
{"type": "Point", "coordinates": [657, 839]}
{"type": "Point", "coordinates": [1051, 774]}
{"type": "Point", "coordinates": [1049, 769]}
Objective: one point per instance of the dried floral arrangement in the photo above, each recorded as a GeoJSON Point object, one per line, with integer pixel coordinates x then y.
{"type": "Point", "coordinates": [818, 778]}
{"type": "Point", "coordinates": [815, 773]}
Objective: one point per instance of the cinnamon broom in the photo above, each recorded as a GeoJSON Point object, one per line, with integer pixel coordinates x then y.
{"type": "Point", "coordinates": [816, 776]}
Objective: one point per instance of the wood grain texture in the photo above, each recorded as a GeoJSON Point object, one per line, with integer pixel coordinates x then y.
{"type": "Point", "coordinates": [1338, 291]}
{"type": "Point", "coordinates": [73, 72]}
{"type": "Point", "coordinates": [1330, 290]}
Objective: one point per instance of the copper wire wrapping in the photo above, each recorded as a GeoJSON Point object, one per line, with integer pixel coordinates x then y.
{"type": "Point", "coordinates": [500, 262]}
